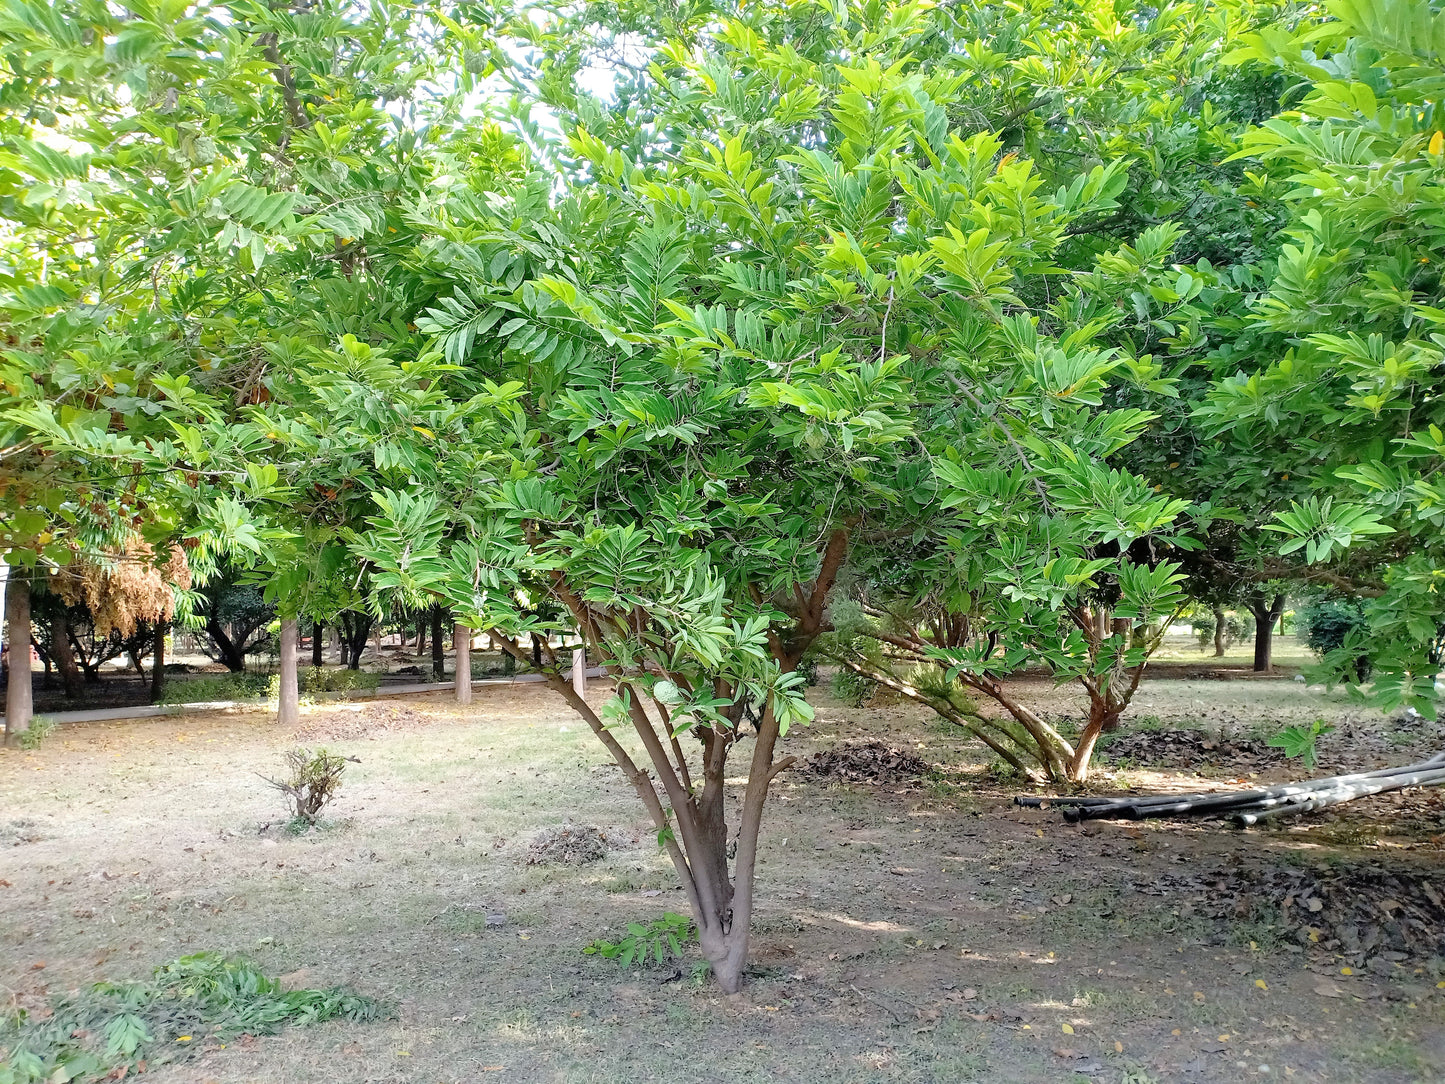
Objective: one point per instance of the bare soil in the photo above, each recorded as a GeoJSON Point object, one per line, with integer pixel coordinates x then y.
{"type": "Point", "coordinates": [916, 929]}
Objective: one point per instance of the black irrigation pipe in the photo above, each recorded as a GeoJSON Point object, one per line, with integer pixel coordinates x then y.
{"type": "Point", "coordinates": [1251, 806]}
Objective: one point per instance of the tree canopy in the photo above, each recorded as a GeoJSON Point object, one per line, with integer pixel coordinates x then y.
{"type": "Point", "coordinates": [942, 341]}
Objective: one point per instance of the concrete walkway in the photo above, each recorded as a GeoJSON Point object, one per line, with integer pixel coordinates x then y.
{"type": "Point", "coordinates": [152, 711]}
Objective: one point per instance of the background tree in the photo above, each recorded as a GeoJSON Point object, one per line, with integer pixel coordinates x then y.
{"type": "Point", "coordinates": [1353, 313]}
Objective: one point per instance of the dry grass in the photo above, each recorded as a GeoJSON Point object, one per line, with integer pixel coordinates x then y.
{"type": "Point", "coordinates": [910, 933]}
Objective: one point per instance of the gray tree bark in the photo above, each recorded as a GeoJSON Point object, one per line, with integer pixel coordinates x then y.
{"type": "Point", "coordinates": [462, 642]}
{"type": "Point", "coordinates": [19, 697]}
{"type": "Point", "coordinates": [288, 700]}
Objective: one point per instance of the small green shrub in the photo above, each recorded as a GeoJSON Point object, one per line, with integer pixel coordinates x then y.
{"type": "Point", "coordinates": [313, 780]}
{"type": "Point", "coordinates": [1325, 623]}
{"type": "Point", "coordinates": [1236, 627]}
{"type": "Point", "coordinates": [659, 941]}
{"type": "Point", "coordinates": [214, 687]}
{"type": "Point", "coordinates": [113, 1028]}
{"type": "Point", "coordinates": [808, 669]}
{"type": "Point", "coordinates": [38, 731]}
{"type": "Point", "coordinates": [853, 688]}
{"type": "Point", "coordinates": [1299, 741]}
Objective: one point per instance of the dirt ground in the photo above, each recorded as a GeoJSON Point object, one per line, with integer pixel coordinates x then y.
{"type": "Point", "coordinates": [920, 930]}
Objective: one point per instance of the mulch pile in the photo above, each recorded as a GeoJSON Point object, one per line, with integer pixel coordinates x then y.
{"type": "Point", "coordinates": [873, 762]}
{"type": "Point", "coordinates": [1192, 749]}
{"type": "Point", "coordinates": [350, 724]}
{"type": "Point", "coordinates": [1373, 914]}
{"type": "Point", "coordinates": [567, 845]}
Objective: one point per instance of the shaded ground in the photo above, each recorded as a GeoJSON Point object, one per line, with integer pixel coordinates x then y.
{"type": "Point", "coordinates": [921, 929]}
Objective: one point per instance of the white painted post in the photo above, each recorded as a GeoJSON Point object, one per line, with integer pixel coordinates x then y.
{"type": "Point", "coordinates": [579, 671]}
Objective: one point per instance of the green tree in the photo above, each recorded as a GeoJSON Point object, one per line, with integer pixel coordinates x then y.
{"type": "Point", "coordinates": [786, 305]}
{"type": "Point", "coordinates": [1351, 325]}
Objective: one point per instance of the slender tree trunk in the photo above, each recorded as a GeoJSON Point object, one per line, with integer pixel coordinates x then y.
{"type": "Point", "coordinates": [64, 654]}
{"type": "Point", "coordinates": [158, 662]}
{"type": "Point", "coordinates": [19, 702]}
{"type": "Point", "coordinates": [421, 634]}
{"type": "Point", "coordinates": [318, 645]}
{"type": "Point", "coordinates": [376, 636]}
{"type": "Point", "coordinates": [288, 700]}
{"type": "Point", "coordinates": [462, 643]}
{"type": "Point", "coordinates": [1265, 615]}
{"type": "Point", "coordinates": [536, 651]}
{"type": "Point", "coordinates": [1218, 631]}
{"type": "Point", "coordinates": [438, 649]}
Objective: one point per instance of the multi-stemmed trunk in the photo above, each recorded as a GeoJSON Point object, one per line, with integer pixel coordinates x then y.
{"type": "Point", "coordinates": [1023, 739]}
{"type": "Point", "coordinates": [689, 807]}
{"type": "Point", "coordinates": [355, 628]}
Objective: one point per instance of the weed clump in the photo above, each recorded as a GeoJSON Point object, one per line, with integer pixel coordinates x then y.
{"type": "Point", "coordinates": [656, 942]}
{"type": "Point", "coordinates": [114, 1029]}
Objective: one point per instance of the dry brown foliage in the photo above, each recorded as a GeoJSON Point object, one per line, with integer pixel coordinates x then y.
{"type": "Point", "coordinates": [125, 587]}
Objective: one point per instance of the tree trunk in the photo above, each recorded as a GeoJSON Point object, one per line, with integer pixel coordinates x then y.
{"type": "Point", "coordinates": [64, 654]}
{"type": "Point", "coordinates": [421, 635]}
{"type": "Point", "coordinates": [318, 645]}
{"type": "Point", "coordinates": [1264, 618]}
{"type": "Point", "coordinates": [288, 699]}
{"type": "Point", "coordinates": [438, 649]}
{"type": "Point", "coordinates": [536, 651]}
{"type": "Point", "coordinates": [229, 651]}
{"type": "Point", "coordinates": [19, 697]}
{"type": "Point", "coordinates": [158, 662]}
{"type": "Point", "coordinates": [1100, 722]}
{"type": "Point", "coordinates": [1218, 631]}
{"type": "Point", "coordinates": [462, 644]}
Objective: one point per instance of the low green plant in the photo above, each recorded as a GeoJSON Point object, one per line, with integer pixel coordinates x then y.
{"type": "Point", "coordinates": [659, 940]}
{"type": "Point", "coordinates": [808, 669]}
{"type": "Point", "coordinates": [312, 781]}
{"type": "Point", "coordinates": [214, 687]}
{"type": "Point", "coordinates": [1299, 741]}
{"type": "Point", "coordinates": [853, 688]}
{"type": "Point", "coordinates": [319, 679]}
{"type": "Point", "coordinates": [113, 1029]}
{"type": "Point", "coordinates": [39, 730]}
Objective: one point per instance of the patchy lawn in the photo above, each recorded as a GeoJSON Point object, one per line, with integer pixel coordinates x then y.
{"type": "Point", "coordinates": [923, 929]}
